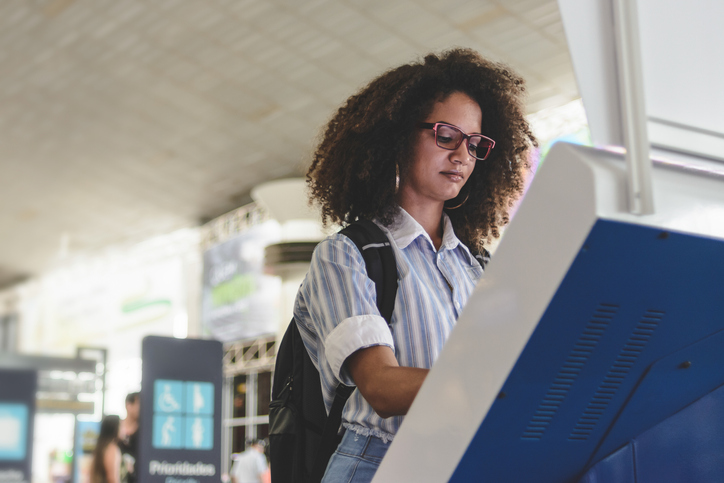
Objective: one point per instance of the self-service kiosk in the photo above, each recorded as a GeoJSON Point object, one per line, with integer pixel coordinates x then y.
{"type": "Point", "coordinates": [592, 349]}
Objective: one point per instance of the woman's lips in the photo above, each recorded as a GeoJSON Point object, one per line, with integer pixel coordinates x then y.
{"type": "Point", "coordinates": [453, 175]}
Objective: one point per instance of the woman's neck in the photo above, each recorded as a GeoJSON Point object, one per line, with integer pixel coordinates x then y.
{"type": "Point", "coordinates": [429, 216]}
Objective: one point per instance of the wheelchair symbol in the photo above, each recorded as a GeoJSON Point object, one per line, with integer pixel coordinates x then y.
{"type": "Point", "coordinates": [166, 400]}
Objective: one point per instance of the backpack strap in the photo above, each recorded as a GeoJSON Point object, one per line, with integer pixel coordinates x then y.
{"type": "Point", "coordinates": [379, 258]}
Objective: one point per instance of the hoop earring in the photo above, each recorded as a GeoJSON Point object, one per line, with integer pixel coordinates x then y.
{"type": "Point", "coordinates": [397, 178]}
{"type": "Point", "coordinates": [458, 206]}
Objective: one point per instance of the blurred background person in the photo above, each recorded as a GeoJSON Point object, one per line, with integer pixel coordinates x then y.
{"type": "Point", "coordinates": [128, 442]}
{"type": "Point", "coordinates": [251, 465]}
{"type": "Point", "coordinates": [106, 466]}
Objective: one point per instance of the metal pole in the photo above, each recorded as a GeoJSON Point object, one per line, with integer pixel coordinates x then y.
{"type": "Point", "coordinates": [227, 408]}
{"type": "Point", "coordinates": [251, 401]}
{"type": "Point", "coordinates": [632, 106]}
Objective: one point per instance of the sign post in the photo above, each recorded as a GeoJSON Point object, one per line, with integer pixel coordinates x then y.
{"type": "Point", "coordinates": [17, 413]}
{"type": "Point", "coordinates": [180, 439]}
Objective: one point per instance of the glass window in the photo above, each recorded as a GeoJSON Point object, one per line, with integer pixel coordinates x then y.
{"type": "Point", "coordinates": [263, 393]}
{"type": "Point", "coordinates": [238, 439]}
{"type": "Point", "coordinates": [239, 410]}
{"type": "Point", "coordinates": [262, 431]}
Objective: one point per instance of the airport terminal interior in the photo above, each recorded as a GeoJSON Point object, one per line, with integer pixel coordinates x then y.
{"type": "Point", "coordinates": [152, 181]}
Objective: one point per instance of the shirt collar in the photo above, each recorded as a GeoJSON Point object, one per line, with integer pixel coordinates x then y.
{"type": "Point", "coordinates": [404, 229]}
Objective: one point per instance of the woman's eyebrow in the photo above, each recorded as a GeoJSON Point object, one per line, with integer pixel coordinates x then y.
{"type": "Point", "coordinates": [454, 125]}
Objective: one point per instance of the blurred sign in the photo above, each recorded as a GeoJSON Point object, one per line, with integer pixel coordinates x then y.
{"type": "Point", "coordinates": [86, 435]}
{"type": "Point", "coordinates": [183, 414]}
{"type": "Point", "coordinates": [180, 411]}
{"type": "Point", "coordinates": [63, 384]}
{"type": "Point", "coordinates": [239, 300]}
{"type": "Point", "coordinates": [132, 299]}
{"type": "Point", "coordinates": [17, 412]}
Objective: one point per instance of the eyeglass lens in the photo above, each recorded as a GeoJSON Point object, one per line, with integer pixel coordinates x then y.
{"type": "Point", "coordinates": [449, 137]}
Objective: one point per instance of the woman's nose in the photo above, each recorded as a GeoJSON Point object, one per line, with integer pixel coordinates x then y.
{"type": "Point", "coordinates": [461, 155]}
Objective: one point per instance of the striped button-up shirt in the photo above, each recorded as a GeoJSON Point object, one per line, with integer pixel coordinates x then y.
{"type": "Point", "coordinates": [337, 314]}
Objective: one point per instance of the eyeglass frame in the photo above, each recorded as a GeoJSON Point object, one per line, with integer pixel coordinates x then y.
{"type": "Point", "coordinates": [434, 125]}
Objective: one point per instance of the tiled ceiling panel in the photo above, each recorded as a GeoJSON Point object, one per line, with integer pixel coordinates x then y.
{"type": "Point", "coordinates": [122, 120]}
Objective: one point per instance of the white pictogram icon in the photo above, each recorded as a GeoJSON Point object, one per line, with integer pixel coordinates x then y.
{"type": "Point", "coordinates": [166, 401]}
{"type": "Point", "coordinates": [10, 432]}
{"type": "Point", "coordinates": [197, 430]}
{"type": "Point", "coordinates": [198, 398]}
{"type": "Point", "coordinates": [166, 430]}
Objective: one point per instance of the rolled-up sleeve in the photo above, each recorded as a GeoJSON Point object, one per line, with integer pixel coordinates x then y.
{"type": "Point", "coordinates": [351, 335]}
{"type": "Point", "coordinates": [339, 304]}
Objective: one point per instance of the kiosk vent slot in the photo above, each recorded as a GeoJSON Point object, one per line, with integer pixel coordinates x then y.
{"type": "Point", "coordinates": [616, 374]}
{"type": "Point", "coordinates": [566, 376]}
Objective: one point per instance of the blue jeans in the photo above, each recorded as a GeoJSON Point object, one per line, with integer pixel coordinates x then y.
{"type": "Point", "coordinates": [356, 459]}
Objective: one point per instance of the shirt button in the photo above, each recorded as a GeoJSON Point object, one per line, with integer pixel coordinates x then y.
{"type": "Point", "coordinates": [457, 305]}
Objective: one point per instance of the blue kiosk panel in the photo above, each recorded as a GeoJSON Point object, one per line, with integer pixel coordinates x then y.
{"type": "Point", "coordinates": [632, 336]}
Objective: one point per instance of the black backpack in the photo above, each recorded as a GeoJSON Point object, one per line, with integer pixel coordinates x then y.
{"type": "Point", "coordinates": [302, 437]}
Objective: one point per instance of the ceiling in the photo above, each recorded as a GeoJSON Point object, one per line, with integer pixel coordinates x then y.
{"type": "Point", "coordinates": [124, 120]}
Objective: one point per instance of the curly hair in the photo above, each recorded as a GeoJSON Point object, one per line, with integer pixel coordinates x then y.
{"type": "Point", "coordinates": [371, 136]}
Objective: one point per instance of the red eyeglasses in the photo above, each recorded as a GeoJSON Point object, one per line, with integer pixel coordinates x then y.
{"type": "Point", "coordinates": [449, 137]}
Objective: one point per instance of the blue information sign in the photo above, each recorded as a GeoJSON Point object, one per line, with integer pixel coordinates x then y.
{"type": "Point", "coordinates": [86, 436]}
{"type": "Point", "coordinates": [183, 414]}
{"type": "Point", "coordinates": [13, 431]}
{"type": "Point", "coordinates": [17, 412]}
{"type": "Point", "coordinates": [181, 400]}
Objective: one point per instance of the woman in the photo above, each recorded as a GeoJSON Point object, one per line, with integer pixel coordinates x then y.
{"type": "Point", "coordinates": [106, 466]}
{"type": "Point", "coordinates": [435, 153]}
